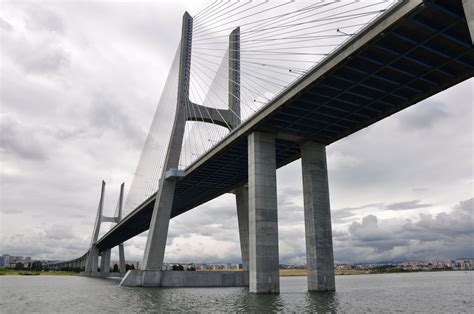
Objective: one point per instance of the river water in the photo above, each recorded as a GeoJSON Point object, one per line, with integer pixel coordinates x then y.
{"type": "Point", "coordinates": [413, 292]}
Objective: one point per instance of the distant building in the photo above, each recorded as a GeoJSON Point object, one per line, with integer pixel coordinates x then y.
{"type": "Point", "coordinates": [463, 264]}
{"type": "Point", "coordinates": [4, 259]}
{"type": "Point", "coordinates": [343, 266]}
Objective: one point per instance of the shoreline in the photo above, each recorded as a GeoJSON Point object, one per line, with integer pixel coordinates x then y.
{"type": "Point", "coordinates": [355, 272]}
{"type": "Point", "coordinates": [283, 272]}
{"type": "Point", "coordinates": [15, 272]}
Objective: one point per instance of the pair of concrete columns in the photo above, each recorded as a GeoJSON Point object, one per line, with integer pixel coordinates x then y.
{"type": "Point", "coordinates": [91, 267]}
{"type": "Point", "coordinates": [258, 216]}
{"type": "Point", "coordinates": [92, 261]}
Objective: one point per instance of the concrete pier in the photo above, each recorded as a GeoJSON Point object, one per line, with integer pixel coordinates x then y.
{"type": "Point", "coordinates": [158, 233]}
{"type": "Point", "coordinates": [317, 217]}
{"type": "Point", "coordinates": [105, 262]}
{"type": "Point", "coordinates": [242, 200]}
{"type": "Point", "coordinates": [263, 215]}
{"type": "Point", "coordinates": [153, 278]}
{"type": "Point", "coordinates": [95, 262]}
{"type": "Point", "coordinates": [121, 259]}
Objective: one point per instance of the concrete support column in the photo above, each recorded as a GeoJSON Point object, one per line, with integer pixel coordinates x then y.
{"type": "Point", "coordinates": [263, 214]}
{"type": "Point", "coordinates": [242, 200]}
{"type": "Point", "coordinates": [92, 258]}
{"type": "Point", "coordinates": [105, 262]}
{"type": "Point", "coordinates": [317, 216]}
{"type": "Point", "coordinates": [121, 258]}
{"type": "Point", "coordinates": [158, 233]}
{"type": "Point", "coordinates": [468, 6]}
{"type": "Point", "coordinates": [94, 261]}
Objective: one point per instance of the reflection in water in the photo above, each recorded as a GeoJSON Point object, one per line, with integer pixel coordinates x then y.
{"type": "Point", "coordinates": [320, 302]}
{"type": "Point", "coordinates": [267, 302]}
{"type": "Point", "coordinates": [416, 292]}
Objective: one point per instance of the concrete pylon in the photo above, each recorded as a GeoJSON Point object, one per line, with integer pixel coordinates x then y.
{"type": "Point", "coordinates": [158, 232]}
{"type": "Point", "coordinates": [118, 215]}
{"type": "Point", "coordinates": [317, 217]}
{"type": "Point", "coordinates": [92, 257]}
{"type": "Point", "coordinates": [234, 76]}
{"type": "Point", "coordinates": [151, 266]}
{"type": "Point", "coordinates": [229, 118]}
{"type": "Point", "coordinates": [241, 193]}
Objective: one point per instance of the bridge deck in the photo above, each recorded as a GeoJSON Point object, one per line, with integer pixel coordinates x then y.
{"type": "Point", "coordinates": [415, 50]}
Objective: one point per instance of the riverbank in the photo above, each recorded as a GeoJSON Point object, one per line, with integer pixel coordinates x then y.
{"type": "Point", "coordinates": [302, 272]}
{"type": "Point", "coordinates": [283, 272]}
{"type": "Point", "coordinates": [17, 272]}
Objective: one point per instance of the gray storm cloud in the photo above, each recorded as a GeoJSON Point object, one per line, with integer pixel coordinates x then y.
{"type": "Point", "coordinates": [78, 88]}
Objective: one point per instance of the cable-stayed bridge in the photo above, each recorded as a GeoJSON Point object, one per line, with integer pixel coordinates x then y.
{"type": "Point", "coordinates": [254, 86]}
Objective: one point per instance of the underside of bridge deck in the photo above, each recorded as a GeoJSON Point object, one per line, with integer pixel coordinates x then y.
{"type": "Point", "coordinates": [399, 60]}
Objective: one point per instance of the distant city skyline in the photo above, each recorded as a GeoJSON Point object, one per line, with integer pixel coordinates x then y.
{"type": "Point", "coordinates": [10, 261]}
{"type": "Point", "coordinates": [76, 106]}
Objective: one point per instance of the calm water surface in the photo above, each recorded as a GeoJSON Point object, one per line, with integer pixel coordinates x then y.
{"type": "Point", "coordinates": [446, 292]}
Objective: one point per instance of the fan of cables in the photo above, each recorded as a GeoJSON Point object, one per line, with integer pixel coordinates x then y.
{"type": "Point", "coordinates": [279, 43]}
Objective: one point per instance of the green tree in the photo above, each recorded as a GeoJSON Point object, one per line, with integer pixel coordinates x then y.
{"type": "Point", "coordinates": [129, 267]}
{"type": "Point", "coordinates": [178, 267]}
{"type": "Point", "coordinates": [36, 265]}
{"type": "Point", "coordinates": [19, 265]}
{"type": "Point", "coordinates": [115, 269]}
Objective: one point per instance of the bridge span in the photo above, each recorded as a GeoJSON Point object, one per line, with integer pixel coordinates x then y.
{"type": "Point", "coordinates": [411, 52]}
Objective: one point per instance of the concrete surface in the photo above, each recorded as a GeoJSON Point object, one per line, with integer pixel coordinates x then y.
{"type": "Point", "coordinates": [263, 215]}
{"type": "Point", "coordinates": [160, 278]}
{"type": "Point", "coordinates": [317, 218]}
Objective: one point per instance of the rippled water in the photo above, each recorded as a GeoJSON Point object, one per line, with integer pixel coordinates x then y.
{"type": "Point", "coordinates": [415, 292]}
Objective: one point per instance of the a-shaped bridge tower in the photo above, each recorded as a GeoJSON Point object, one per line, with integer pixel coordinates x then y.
{"type": "Point", "coordinates": [256, 201]}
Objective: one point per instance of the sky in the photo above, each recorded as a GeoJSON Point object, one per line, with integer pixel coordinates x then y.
{"type": "Point", "coordinates": [79, 85]}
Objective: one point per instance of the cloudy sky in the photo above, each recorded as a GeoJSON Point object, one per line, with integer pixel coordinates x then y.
{"type": "Point", "coordinates": [79, 84]}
